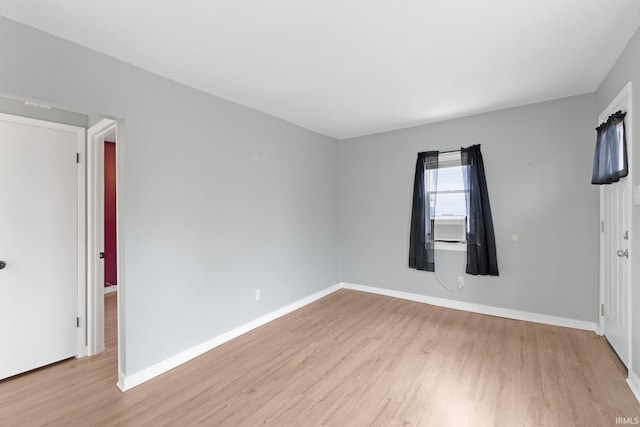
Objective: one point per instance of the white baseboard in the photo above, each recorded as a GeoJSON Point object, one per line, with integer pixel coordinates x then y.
{"type": "Point", "coordinates": [127, 382]}
{"type": "Point", "coordinates": [634, 384]}
{"type": "Point", "coordinates": [478, 308]}
{"type": "Point", "coordinates": [120, 382]}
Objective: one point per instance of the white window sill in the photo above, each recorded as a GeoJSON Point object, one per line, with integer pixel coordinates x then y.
{"type": "Point", "coordinates": [450, 246]}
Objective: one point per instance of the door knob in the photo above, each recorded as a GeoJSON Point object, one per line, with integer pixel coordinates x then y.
{"type": "Point", "coordinates": [2, 265]}
{"type": "Point", "coordinates": [624, 253]}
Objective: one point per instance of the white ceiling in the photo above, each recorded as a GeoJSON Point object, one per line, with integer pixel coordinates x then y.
{"type": "Point", "coordinates": [353, 67]}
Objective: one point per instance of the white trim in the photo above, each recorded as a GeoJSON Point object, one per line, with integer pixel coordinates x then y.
{"type": "Point", "coordinates": [600, 327]}
{"type": "Point", "coordinates": [95, 233]}
{"type": "Point", "coordinates": [449, 159]}
{"type": "Point", "coordinates": [82, 248]}
{"type": "Point", "coordinates": [613, 105]}
{"type": "Point", "coordinates": [634, 384]}
{"type": "Point", "coordinates": [629, 127]}
{"type": "Point", "coordinates": [623, 97]}
{"type": "Point", "coordinates": [478, 308]}
{"type": "Point", "coordinates": [450, 246]}
{"type": "Point", "coordinates": [121, 381]}
{"type": "Point", "coordinates": [127, 382]}
{"type": "Point", "coordinates": [120, 246]}
{"type": "Point", "coordinates": [41, 123]}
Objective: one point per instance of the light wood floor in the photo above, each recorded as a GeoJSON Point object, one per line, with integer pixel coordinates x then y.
{"type": "Point", "coordinates": [350, 359]}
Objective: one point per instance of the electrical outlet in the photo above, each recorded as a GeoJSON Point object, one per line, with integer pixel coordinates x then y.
{"type": "Point", "coordinates": [460, 282]}
{"type": "Point", "coordinates": [258, 296]}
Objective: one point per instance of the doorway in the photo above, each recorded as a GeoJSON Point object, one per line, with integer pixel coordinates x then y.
{"type": "Point", "coordinates": [110, 221]}
{"type": "Point", "coordinates": [102, 234]}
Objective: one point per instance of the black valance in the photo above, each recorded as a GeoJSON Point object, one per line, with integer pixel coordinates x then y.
{"type": "Point", "coordinates": [610, 161]}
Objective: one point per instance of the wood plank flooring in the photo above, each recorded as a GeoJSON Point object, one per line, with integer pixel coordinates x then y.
{"type": "Point", "coordinates": [349, 359]}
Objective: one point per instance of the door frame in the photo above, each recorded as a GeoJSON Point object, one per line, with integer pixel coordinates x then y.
{"type": "Point", "coordinates": [621, 101]}
{"type": "Point", "coordinates": [95, 233]}
{"type": "Point", "coordinates": [81, 347]}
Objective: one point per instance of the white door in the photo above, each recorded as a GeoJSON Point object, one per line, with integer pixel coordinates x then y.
{"type": "Point", "coordinates": [614, 309]}
{"type": "Point", "coordinates": [39, 235]}
{"type": "Point", "coordinates": [615, 244]}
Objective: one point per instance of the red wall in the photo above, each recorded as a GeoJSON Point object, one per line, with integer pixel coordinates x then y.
{"type": "Point", "coordinates": [110, 239]}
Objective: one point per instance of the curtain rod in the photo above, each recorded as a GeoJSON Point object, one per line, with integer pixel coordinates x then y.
{"type": "Point", "coordinates": [450, 151]}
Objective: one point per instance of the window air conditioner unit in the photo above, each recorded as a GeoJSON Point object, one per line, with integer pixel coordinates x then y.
{"type": "Point", "coordinates": [450, 229]}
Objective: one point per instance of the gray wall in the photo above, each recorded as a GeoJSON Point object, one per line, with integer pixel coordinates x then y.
{"type": "Point", "coordinates": [627, 69]}
{"type": "Point", "coordinates": [218, 199]}
{"type": "Point", "coordinates": [18, 108]}
{"type": "Point", "coordinates": [538, 163]}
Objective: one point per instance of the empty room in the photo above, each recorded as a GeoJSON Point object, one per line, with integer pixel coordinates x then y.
{"type": "Point", "coordinates": [320, 213]}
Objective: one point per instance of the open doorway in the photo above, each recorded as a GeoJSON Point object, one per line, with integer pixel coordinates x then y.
{"type": "Point", "coordinates": [110, 221]}
{"type": "Point", "coordinates": [108, 321]}
{"type": "Point", "coordinates": [110, 244]}
{"type": "Point", "coordinates": [102, 235]}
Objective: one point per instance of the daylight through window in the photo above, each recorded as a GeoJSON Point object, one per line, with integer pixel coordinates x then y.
{"type": "Point", "coordinates": [448, 196]}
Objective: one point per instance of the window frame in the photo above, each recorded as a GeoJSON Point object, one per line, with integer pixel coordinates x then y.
{"type": "Point", "coordinates": [445, 160]}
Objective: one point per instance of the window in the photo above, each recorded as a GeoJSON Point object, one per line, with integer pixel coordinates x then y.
{"type": "Point", "coordinates": [450, 220]}
{"type": "Point", "coordinates": [477, 225]}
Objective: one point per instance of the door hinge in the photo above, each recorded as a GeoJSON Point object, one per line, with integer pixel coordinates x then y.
{"type": "Point", "coordinates": [601, 309]}
{"type": "Point", "coordinates": [77, 157]}
{"type": "Point", "coordinates": [101, 255]}
{"type": "Point", "coordinates": [77, 322]}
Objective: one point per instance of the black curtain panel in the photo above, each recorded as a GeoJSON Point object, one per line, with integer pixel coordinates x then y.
{"type": "Point", "coordinates": [481, 242]}
{"type": "Point", "coordinates": [421, 247]}
{"type": "Point", "coordinates": [610, 161]}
